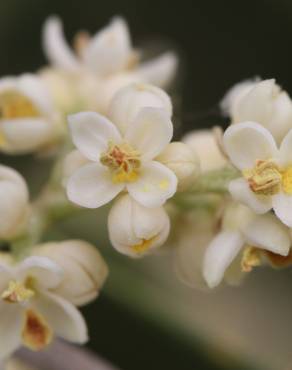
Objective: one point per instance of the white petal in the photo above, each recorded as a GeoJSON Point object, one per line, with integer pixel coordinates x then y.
{"type": "Point", "coordinates": [150, 132]}
{"type": "Point", "coordinates": [47, 273]}
{"type": "Point", "coordinates": [10, 328]}
{"type": "Point", "coordinates": [91, 133]}
{"type": "Point", "coordinates": [282, 205]}
{"type": "Point", "coordinates": [55, 46]}
{"type": "Point", "coordinates": [247, 142]}
{"type": "Point", "coordinates": [109, 50]}
{"type": "Point", "coordinates": [71, 163]}
{"type": "Point", "coordinates": [128, 101]}
{"type": "Point", "coordinates": [6, 275]}
{"type": "Point", "coordinates": [219, 255]}
{"type": "Point", "coordinates": [269, 233]}
{"type": "Point", "coordinates": [91, 186]}
{"type": "Point", "coordinates": [26, 134]}
{"type": "Point", "coordinates": [241, 192]}
{"type": "Point", "coordinates": [285, 156]}
{"type": "Point", "coordinates": [159, 71]}
{"type": "Point", "coordinates": [66, 321]}
{"type": "Point", "coordinates": [155, 185]}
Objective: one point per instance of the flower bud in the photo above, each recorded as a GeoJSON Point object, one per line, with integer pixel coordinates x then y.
{"type": "Point", "coordinates": [85, 271]}
{"type": "Point", "coordinates": [205, 144]}
{"type": "Point", "coordinates": [129, 100]}
{"type": "Point", "coordinates": [14, 206]}
{"type": "Point", "coordinates": [183, 161]}
{"type": "Point", "coordinates": [135, 230]}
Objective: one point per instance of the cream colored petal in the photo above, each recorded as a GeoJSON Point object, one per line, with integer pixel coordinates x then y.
{"type": "Point", "coordinates": [241, 192]}
{"type": "Point", "coordinates": [91, 133]}
{"type": "Point", "coordinates": [156, 184]}
{"type": "Point", "coordinates": [150, 132]}
{"type": "Point", "coordinates": [247, 142]}
{"type": "Point", "coordinates": [65, 320]}
{"type": "Point", "coordinates": [161, 70]}
{"type": "Point", "coordinates": [128, 101]}
{"type": "Point", "coordinates": [285, 156]}
{"type": "Point", "coordinates": [282, 205]}
{"type": "Point", "coordinates": [10, 328]}
{"type": "Point", "coordinates": [91, 186]}
{"type": "Point", "coordinates": [219, 255]}
{"type": "Point", "coordinates": [55, 46]}
{"type": "Point", "coordinates": [269, 233]}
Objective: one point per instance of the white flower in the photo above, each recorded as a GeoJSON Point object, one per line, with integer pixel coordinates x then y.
{"type": "Point", "coordinates": [183, 161]}
{"type": "Point", "coordinates": [121, 162]}
{"type": "Point", "coordinates": [267, 171]}
{"type": "Point", "coordinates": [242, 228]}
{"type": "Point", "coordinates": [205, 144]}
{"type": "Point", "coordinates": [30, 314]}
{"type": "Point", "coordinates": [266, 104]}
{"type": "Point", "coordinates": [135, 230]}
{"type": "Point", "coordinates": [14, 203]}
{"type": "Point", "coordinates": [105, 62]}
{"type": "Point", "coordinates": [84, 269]}
{"type": "Point", "coordinates": [27, 117]}
{"type": "Point", "coordinates": [71, 163]}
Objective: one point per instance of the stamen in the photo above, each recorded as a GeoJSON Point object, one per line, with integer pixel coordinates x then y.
{"type": "Point", "coordinates": [17, 293]}
{"type": "Point", "coordinates": [251, 258]}
{"type": "Point", "coordinates": [287, 180]}
{"type": "Point", "coordinates": [36, 333]}
{"type": "Point", "coordinates": [143, 246]}
{"type": "Point", "coordinates": [15, 105]}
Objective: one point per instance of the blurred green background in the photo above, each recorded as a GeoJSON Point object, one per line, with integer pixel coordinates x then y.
{"type": "Point", "coordinates": [221, 43]}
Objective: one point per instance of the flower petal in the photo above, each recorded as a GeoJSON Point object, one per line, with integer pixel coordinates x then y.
{"type": "Point", "coordinates": [241, 192]}
{"type": "Point", "coordinates": [219, 255]}
{"type": "Point", "coordinates": [247, 142]}
{"type": "Point", "coordinates": [269, 233]}
{"type": "Point", "coordinates": [10, 328]}
{"type": "Point", "coordinates": [155, 185]}
{"type": "Point", "coordinates": [285, 156]}
{"type": "Point", "coordinates": [159, 71]}
{"type": "Point", "coordinates": [66, 321]}
{"type": "Point", "coordinates": [150, 132]}
{"type": "Point", "coordinates": [25, 135]}
{"type": "Point", "coordinates": [55, 46]}
{"type": "Point", "coordinates": [282, 205]}
{"type": "Point", "coordinates": [91, 133]}
{"type": "Point", "coordinates": [46, 272]}
{"type": "Point", "coordinates": [91, 186]}
{"type": "Point", "coordinates": [129, 100]}
{"type": "Point", "coordinates": [109, 50]}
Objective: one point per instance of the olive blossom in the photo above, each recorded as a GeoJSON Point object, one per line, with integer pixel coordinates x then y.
{"type": "Point", "coordinates": [243, 232]}
{"type": "Point", "coordinates": [28, 119]}
{"type": "Point", "coordinates": [31, 314]}
{"type": "Point", "coordinates": [266, 181]}
{"type": "Point", "coordinates": [105, 62]}
{"type": "Point", "coordinates": [135, 230]}
{"type": "Point", "coordinates": [121, 162]}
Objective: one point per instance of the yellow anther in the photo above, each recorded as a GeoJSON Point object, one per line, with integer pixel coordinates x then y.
{"type": "Point", "coordinates": [251, 258]}
{"type": "Point", "coordinates": [15, 105]}
{"type": "Point", "coordinates": [287, 180]}
{"type": "Point", "coordinates": [143, 246]}
{"type": "Point", "coordinates": [123, 161]}
{"type": "Point", "coordinates": [265, 178]}
{"type": "Point", "coordinates": [17, 292]}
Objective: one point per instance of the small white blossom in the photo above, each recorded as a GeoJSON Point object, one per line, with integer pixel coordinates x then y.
{"type": "Point", "coordinates": [183, 161]}
{"type": "Point", "coordinates": [135, 230]}
{"type": "Point", "coordinates": [121, 162]}
{"type": "Point", "coordinates": [28, 121]}
{"type": "Point", "coordinates": [242, 228]}
{"type": "Point", "coordinates": [205, 144]}
{"type": "Point", "coordinates": [266, 103]}
{"type": "Point", "coordinates": [14, 203]}
{"type": "Point", "coordinates": [84, 269]}
{"type": "Point", "coordinates": [105, 62]}
{"type": "Point", "coordinates": [266, 181]}
{"type": "Point", "coordinates": [31, 314]}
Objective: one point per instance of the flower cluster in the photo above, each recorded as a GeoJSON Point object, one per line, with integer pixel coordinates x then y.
{"type": "Point", "coordinates": [220, 203]}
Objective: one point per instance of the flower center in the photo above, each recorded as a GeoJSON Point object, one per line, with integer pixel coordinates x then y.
{"type": "Point", "coordinates": [36, 333]}
{"type": "Point", "coordinates": [143, 246]}
{"type": "Point", "coordinates": [15, 105]}
{"type": "Point", "coordinates": [123, 161]}
{"type": "Point", "coordinates": [251, 258]}
{"type": "Point", "coordinates": [18, 292]}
